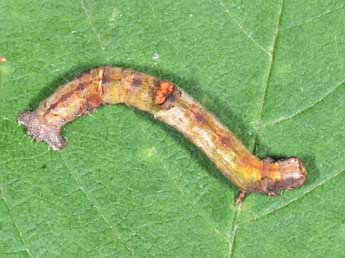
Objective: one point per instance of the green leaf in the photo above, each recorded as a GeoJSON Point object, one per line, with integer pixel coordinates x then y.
{"type": "Point", "coordinates": [129, 186]}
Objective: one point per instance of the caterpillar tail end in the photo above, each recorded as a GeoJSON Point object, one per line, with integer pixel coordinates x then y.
{"type": "Point", "coordinates": [40, 130]}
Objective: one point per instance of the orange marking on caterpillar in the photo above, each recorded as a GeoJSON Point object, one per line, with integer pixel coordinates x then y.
{"type": "Point", "coordinates": [164, 89]}
{"type": "Point", "coordinates": [2, 59]}
{"type": "Point", "coordinates": [170, 104]}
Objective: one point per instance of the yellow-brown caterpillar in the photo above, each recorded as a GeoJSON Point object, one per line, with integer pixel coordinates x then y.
{"type": "Point", "coordinates": [170, 104]}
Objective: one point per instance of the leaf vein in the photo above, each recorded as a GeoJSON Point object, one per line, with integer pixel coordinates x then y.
{"type": "Point", "coordinates": [26, 248]}
{"type": "Point", "coordinates": [93, 204]}
{"type": "Point", "coordinates": [246, 33]}
{"type": "Point", "coordinates": [89, 20]}
{"type": "Point", "coordinates": [214, 228]}
{"type": "Point", "coordinates": [285, 118]}
{"type": "Point", "coordinates": [298, 197]}
{"type": "Point", "coordinates": [234, 230]}
{"type": "Point", "coordinates": [269, 73]}
{"type": "Point", "coordinates": [315, 18]}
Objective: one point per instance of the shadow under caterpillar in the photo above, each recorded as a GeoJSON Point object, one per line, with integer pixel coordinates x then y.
{"type": "Point", "coordinates": [170, 104]}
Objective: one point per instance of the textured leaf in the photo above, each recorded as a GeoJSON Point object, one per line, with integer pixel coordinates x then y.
{"type": "Point", "coordinates": [128, 186]}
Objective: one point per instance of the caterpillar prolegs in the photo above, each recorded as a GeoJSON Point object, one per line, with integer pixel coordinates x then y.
{"type": "Point", "coordinates": [167, 103]}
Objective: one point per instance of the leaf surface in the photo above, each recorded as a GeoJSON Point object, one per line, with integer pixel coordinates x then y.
{"type": "Point", "coordinates": [128, 186]}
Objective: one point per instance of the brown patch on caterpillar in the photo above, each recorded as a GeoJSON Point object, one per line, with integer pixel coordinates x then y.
{"type": "Point", "coordinates": [74, 90]}
{"type": "Point", "coordinates": [170, 104]}
{"type": "Point", "coordinates": [93, 102]}
{"type": "Point", "coordinates": [171, 99]}
{"type": "Point", "coordinates": [81, 86]}
{"type": "Point", "coordinates": [136, 82]}
{"type": "Point", "coordinates": [200, 118]}
{"type": "Point", "coordinates": [164, 89]}
{"type": "Point", "coordinates": [106, 77]}
{"type": "Point", "coordinates": [224, 140]}
{"type": "Point", "coordinates": [2, 59]}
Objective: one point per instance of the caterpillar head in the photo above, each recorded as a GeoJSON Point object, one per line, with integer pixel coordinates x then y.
{"type": "Point", "coordinates": [291, 173]}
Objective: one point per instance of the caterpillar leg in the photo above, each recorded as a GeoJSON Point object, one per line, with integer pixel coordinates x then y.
{"type": "Point", "coordinates": [240, 197]}
{"type": "Point", "coordinates": [273, 194]}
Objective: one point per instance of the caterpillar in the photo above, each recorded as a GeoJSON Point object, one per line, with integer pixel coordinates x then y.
{"type": "Point", "coordinates": [170, 104]}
